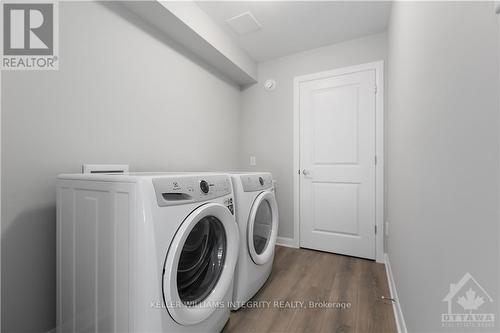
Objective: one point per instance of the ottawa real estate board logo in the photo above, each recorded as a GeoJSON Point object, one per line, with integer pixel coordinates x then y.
{"type": "Point", "coordinates": [30, 36]}
{"type": "Point", "coordinates": [469, 305]}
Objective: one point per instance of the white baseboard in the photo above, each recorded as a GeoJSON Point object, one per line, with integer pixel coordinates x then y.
{"type": "Point", "coordinates": [288, 242]}
{"type": "Point", "coordinates": [398, 313]}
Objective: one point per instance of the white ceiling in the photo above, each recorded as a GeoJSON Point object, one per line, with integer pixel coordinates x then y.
{"type": "Point", "coordinates": [289, 26]}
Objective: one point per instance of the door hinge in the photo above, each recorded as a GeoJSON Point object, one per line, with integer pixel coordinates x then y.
{"type": "Point", "coordinates": [375, 230]}
{"type": "Point", "coordinates": [375, 89]}
{"type": "Point", "coordinates": [298, 171]}
{"type": "Point", "coordinates": [375, 159]}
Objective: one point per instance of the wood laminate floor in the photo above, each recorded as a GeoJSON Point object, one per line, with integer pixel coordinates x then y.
{"type": "Point", "coordinates": [301, 275]}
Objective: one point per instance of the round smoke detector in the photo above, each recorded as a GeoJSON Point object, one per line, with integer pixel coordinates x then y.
{"type": "Point", "coordinates": [270, 85]}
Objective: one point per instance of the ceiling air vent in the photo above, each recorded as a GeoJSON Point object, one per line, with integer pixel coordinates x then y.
{"type": "Point", "coordinates": [244, 23]}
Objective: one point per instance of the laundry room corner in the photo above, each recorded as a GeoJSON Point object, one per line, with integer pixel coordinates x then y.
{"type": "Point", "coordinates": [267, 116]}
{"type": "Point", "coordinates": [249, 166]}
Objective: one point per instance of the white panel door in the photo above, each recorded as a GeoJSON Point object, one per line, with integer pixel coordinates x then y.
{"type": "Point", "coordinates": [337, 160]}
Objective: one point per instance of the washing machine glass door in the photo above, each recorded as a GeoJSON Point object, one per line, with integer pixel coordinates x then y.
{"type": "Point", "coordinates": [200, 264]}
{"type": "Point", "coordinates": [263, 228]}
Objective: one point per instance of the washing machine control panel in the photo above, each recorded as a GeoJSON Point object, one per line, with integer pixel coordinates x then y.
{"type": "Point", "coordinates": [257, 182]}
{"type": "Point", "coordinates": [188, 189]}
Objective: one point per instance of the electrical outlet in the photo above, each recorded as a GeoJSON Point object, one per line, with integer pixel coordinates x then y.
{"type": "Point", "coordinates": [253, 161]}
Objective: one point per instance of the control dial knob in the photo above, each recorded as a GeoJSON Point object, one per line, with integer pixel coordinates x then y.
{"type": "Point", "coordinates": [204, 186]}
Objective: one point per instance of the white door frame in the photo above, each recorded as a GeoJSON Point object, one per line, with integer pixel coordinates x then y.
{"type": "Point", "coordinates": [378, 67]}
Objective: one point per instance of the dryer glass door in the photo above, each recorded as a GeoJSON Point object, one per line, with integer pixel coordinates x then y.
{"type": "Point", "coordinates": [263, 228]}
{"type": "Point", "coordinates": [200, 263]}
{"type": "Point", "coordinates": [202, 260]}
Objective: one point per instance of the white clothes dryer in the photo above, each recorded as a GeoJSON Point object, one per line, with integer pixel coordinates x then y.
{"type": "Point", "coordinates": [257, 217]}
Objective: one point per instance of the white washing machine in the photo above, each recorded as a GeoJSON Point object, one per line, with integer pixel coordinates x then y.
{"type": "Point", "coordinates": [257, 218]}
{"type": "Point", "coordinates": [144, 252]}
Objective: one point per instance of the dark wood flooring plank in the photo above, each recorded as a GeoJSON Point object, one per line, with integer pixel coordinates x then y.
{"type": "Point", "coordinates": [301, 275]}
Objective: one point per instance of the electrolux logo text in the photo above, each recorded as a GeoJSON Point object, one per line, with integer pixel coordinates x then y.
{"type": "Point", "coordinates": [30, 38]}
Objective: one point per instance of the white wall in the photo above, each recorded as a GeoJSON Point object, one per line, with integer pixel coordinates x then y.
{"type": "Point", "coordinates": [1, 229]}
{"type": "Point", "coordinates": [267, 117]}
{"type": "Point", "coordinates": [497, 11]}
{"type": "Point", "coordinates": [123, 94]}
{"type": "Point", "coordinates": [442, 153]}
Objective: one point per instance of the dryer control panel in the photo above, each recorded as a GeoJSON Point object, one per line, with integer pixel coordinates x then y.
{"type": "Point", "coordinates": [256, 182]}
{"type": "Point", "coordinates": [172, 191]}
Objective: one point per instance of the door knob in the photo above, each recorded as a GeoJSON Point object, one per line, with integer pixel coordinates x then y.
{"type": "Point", "coordinates": [306, 172]}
